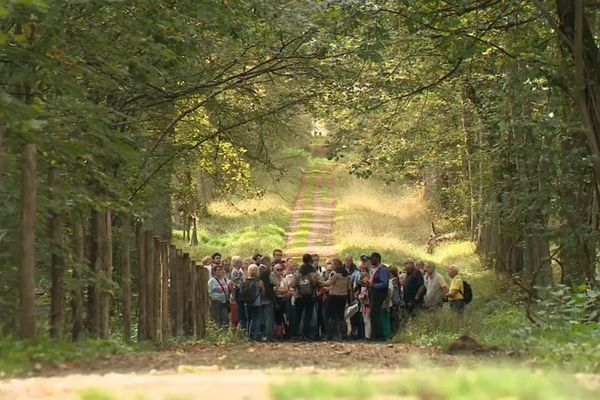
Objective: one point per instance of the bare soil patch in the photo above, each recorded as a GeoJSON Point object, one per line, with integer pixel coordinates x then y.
{"type": "Point", "coordinates": [260, 356]}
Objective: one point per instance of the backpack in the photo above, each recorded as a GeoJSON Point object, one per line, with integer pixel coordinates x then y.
{"type": "Point", "coordinates": [305, 286]}
{"type": "Point", "coordinates": [467, 292]}
{"type": "Point", "coordinates": [248, 291]}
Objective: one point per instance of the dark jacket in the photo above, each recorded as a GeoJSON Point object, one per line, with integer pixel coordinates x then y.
{"type": "Point", "coordinates": [381, 279]}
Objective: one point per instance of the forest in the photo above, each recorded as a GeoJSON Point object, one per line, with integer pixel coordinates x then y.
{"type": "Point", "coordinates": [121, 122]}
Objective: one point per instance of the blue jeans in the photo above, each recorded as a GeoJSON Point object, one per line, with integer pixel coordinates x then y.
{"type": "Point", "coordinates": [254, 322]}
{"type": "Point", "coordinates": [242, 314]}
{"type": "Point", "coordinates": [267, 317]}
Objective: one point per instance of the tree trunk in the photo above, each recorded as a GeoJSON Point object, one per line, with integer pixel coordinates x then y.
{"type": "Point", "coordinates": [179, 294]}
{"type": "Point", "coordinates": [57, 267]}
{"type": "Point", "coordinates": [157, 286]}
{"type": "Point", "coordinates": [77, 291]}
{"type": "Point", "coordinates": [108, 272]}
{"type": "Point", "coordinates": [164, 307]}
{"type": "Point", "coordinates": [576, 36]}
{"type": "Point", "coordinates": [142, 300]}
{"type": "Point", "coordinates": [28, 220]}
{"type": "Point", "coordinates": [194, 237]}
{"type": "Point", "coordinates": [126, 278]}
{"type": "Point", "coordinates": [93, 301]}
{"type": "Point", "coordinates": [100, 268]}
{"type": "Point", "coordinates": [149, 258]}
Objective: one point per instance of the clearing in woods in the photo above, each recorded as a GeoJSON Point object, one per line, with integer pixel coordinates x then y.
{"type": "Point", "coordinates": [249, 371]}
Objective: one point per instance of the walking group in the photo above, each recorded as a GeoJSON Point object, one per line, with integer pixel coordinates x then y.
{"type": "Point", "coordinates": [271, 298]}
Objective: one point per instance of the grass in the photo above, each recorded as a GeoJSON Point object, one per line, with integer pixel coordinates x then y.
{"type": "Point", "coordinates": [22, 357]}
{"type": "Point", "coordinates": [436, 383]}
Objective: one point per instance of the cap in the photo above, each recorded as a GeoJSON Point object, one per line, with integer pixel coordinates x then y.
{"type": "Point", "coordinates": [364, 257]}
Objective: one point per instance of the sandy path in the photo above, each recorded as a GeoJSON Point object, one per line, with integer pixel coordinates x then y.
{"type": "Point", "coordinates": [320, 212]}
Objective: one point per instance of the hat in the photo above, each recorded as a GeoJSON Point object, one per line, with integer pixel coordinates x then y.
{"type": "Point", "coordinates": [364, 257]}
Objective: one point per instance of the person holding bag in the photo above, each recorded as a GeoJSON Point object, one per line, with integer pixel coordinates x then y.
{"type": "Point", "coordinates": [218, 292]}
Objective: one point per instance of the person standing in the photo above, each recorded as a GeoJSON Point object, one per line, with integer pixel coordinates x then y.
{"type": "Point", "coordinates": [339, 288]}
{"type": "Point", "coordinates": [237, 277]}
{"type": "Point", "coordinates": [267, 302]}
{"type": "Point", "coordinates": [282, 292]}
{"type": "Point", "coordinates": [396, 300]}
{"type": "Point", "coordinates": [361, 289]}
{"type": "Point", "coordinates": [414, 290]}
{"type": "Point", "coordinates": [379, 286]}
{"type": "Point", "coordinates": [436, 287]}
{"type": "Point", "coordinates": [219, 297]}
{"type": "Point", "coordinates": [305, 283]}
{"type": "Point", "coordinates": [250, 296]}
{"type": "Point", "coordinates": [455, 295]}
{"type": "Point", "coordinates": [319, 310]}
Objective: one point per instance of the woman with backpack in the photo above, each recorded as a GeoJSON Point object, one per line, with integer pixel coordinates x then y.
{"type": "Point", "coordinates": [339, 288]}
{"type": "Point", "coordinates": [267, 309]}
{"type": "Point", "coordinates": [306, 283]}
{"type": "Point", "coordinates": [250, 297]}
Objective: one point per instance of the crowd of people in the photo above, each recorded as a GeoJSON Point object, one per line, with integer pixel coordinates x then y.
{"type": "Point", "coordinates": [274, 298]}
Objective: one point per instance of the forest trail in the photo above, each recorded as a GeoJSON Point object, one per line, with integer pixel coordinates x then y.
{"type": "Point", "coordinates": [311, 229]}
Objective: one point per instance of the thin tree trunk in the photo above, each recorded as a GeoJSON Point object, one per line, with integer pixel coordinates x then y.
{"type": "Point", "coordinates": [156, 288]}
{"type": "Point", "coordinates": [149, 262]}
{"type": "Point", "coordinates": [28, 220]}
{"type": "Point", "coordinates": [164, 307]}
{"type": "Point", "coordinates": [142, 301]}
{"type": "Point", "coordinates": [467, 144]}
{"type": "Point", "coordinates": [77, 290]}
{"type": "Point", "coordinates": [193, 295]}
{"type": "Point", "coordinates": [57, 267]}
{"type": "Point", "coordinates": [126, 278]}
{"type": "Point", "coordinates": [179, 294]}
{"type": "Point", "coordinates": [93, 302]}
{"type": "Point", "coordinates": [100, 269]}
{"type": "Point", "coordinates": [188, 328]}
{"type": "Point", "coordinates": [106, 297]}
{"type": "Point", "coordinates": [194, 237]}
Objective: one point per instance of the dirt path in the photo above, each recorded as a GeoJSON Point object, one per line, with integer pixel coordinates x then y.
{"type": "Point", "coordinates": [317, 214]}
{"type": "Point", "coordinates": [206, 371]}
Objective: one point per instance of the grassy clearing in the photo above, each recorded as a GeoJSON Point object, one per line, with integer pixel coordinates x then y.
{"type": "Point", "coordinates": [461, 383]}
